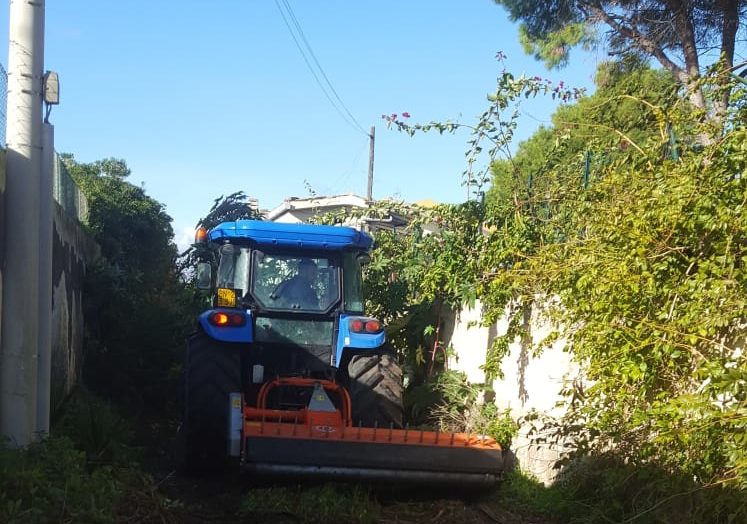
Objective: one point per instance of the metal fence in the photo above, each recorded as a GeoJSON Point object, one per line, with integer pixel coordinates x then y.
{"type": "Point", "coordinates": [64, 190]}
{"type": "Point", "coordinates": [67, 194]}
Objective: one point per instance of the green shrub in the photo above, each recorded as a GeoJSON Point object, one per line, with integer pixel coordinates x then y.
{"type": "Point", "coordinates": [95, 427]}
{"type": "Point", "coordinates": [604, 489]}
{"type": "Point", "coordinates": [462, 406]}
{"type": "Point", "coordinates": [50, 482]}
{"type": "Point", "coordinates": [84, 472]}
{"type": "Point", "coordinates": [521, 493]}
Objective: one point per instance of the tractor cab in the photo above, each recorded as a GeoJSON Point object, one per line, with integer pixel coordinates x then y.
{"type": "Point", "coordinates": [295, 298]}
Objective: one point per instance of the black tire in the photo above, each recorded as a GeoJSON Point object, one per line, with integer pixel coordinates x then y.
{"type": "Point", "coordinates": [211, 373]}
{"type": "Point", "coordinates": [375, 385]}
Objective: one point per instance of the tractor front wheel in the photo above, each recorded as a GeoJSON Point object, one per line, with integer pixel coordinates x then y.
{"type": "Point", "coordinates": [212, 372]}
{"type": "Point", "coordinates": [375, 385]}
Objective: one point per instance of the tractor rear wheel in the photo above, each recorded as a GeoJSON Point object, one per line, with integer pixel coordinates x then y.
{"type": "Point", "coordinates": [376, 390]}
{"type": "Point", "coordinates": [212, 372]}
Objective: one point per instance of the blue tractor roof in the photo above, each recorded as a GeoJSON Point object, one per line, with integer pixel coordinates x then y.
{"type": "Point", "coordinates": [298, 236]}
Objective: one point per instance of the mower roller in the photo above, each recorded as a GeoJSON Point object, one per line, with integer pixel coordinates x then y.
{"type": "Point", "coordinates": [287, 377]}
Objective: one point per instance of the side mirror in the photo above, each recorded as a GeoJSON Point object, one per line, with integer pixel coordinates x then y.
{"type": "Point", "coordinates": [363, 258]}
{"type": "Point", "coordinates": [204, 275]}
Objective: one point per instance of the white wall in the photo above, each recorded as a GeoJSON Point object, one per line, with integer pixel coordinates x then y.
{"type": "Point", "coordinates": [528, 384]}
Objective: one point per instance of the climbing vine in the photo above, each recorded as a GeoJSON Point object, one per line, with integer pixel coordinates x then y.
{"type": "Point", "coordinates": [629, 235]}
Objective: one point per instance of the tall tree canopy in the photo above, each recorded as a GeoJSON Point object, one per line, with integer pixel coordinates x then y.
{"type": "Point", "coordinates": [684, 36]}
{"type": "Point", "coordinates": [593, 131]}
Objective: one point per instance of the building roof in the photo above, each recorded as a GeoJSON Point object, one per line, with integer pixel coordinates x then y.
{"type": "Point", "coordinates": [303, 209]}
{"type": "Point", "coordinates": [316, 205]}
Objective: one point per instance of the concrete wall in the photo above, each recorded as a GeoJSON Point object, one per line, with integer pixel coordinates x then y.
{"type": "Point", "coordinates": [72, 251]}
{"type": "Point", "coordinates": [529, 383]}
{"type": "Point", "coordinates": [2, 231]}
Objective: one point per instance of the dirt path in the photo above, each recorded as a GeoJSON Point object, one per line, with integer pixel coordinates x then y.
{"type": "Point", "coordinates": [228, 500]}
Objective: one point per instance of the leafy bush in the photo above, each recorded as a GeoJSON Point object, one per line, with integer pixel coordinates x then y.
{"type": "Point", "coordinates": [86, 471]}
{"type": "Point", "coordinates": [603, 489]}
{"type": "Point", "coordinates": [51, 482]}
{"type": "Point", "coordinates": [625, 223]}
{"type": "Point", "coordinates": [95, 427]}
{"type": "Point", "coordinates": [138, 311]}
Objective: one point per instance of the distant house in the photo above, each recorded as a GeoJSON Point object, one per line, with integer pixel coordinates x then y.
{"type": "Point", "coordinates": [301, 210]}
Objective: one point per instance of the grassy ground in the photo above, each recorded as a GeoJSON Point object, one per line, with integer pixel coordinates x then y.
{"type": "Point", "coordinates": [97, 467]}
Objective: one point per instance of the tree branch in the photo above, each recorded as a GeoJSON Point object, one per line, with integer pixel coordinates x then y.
{"type": "Point", "coordinates": [686, 34]}
{"type": "Point", "coordinates": [637, 38]}
{"type": "Point", "coordinates": [729, 28]}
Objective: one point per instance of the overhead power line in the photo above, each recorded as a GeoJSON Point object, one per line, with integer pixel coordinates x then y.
{"type": "Point", "coordinates": [327, 86]}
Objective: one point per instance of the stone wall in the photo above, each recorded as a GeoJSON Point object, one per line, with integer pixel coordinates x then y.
{"type": "Point", "coordinates": [72, 251]}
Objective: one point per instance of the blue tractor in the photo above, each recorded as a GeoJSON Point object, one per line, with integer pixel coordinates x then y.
{"type": "Point", "coordinates": [287, 376]}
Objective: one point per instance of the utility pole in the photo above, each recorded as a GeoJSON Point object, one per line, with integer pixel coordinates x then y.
{"type": "Point", "coordinates": [19, 345]}
{"type": "Point", "coordinates": [371, 142]}
{"type": "Point", "coordinates": [44, 319]}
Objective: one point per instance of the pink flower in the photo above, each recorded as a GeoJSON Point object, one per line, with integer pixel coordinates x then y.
{"type": "Point", "coordinates": [405, 114]}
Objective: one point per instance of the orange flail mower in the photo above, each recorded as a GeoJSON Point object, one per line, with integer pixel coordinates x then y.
{"type": "Point", "coordinates": [321, 441]}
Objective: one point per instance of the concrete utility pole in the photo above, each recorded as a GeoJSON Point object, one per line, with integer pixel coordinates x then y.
{"type": "Point", "coordinates": [19, 345]}
{"type": "Point", "coordinates": [372, 137]}
{"type": "Point", "coordinates": [44, 320]}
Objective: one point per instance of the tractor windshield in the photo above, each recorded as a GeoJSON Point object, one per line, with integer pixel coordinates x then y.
{"type": "Point", "coordinates": [295, 282]}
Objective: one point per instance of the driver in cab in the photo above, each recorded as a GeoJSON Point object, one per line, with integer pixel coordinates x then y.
{"type": "Point", "coordinates": [298, 292]}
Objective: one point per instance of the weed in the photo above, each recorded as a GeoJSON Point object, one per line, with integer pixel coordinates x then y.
{"type": "Point", "coordinates": [83, 472]}
{"type": "Point", "coordinates": [605, 489]}
{"type": "Point", "coordinates": [469, 407]}
{"type": "Point", "coordinates": [316, 504]}
{"type": "Point", "coordinates": [602, 489]}
{"type": "Point", "coordinates": [49, 482]}
{"type": "Point", "coordinates": [520, 492]}
{"type": "Point", "coordinates": [96, 427]}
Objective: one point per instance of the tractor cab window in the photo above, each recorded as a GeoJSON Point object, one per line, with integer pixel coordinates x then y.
{"type": "Point", "coordinates": [295, 282]}
{"type": "Point", "coordinates": [233, 269]}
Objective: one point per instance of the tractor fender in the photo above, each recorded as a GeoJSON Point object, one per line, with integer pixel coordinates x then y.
{"type": "Point", "coordinates": [243, 332]}
{"type": "Point", "coordinates": [347, 341]}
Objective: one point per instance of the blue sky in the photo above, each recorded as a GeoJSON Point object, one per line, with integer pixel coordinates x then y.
{"type": "Point", "coordinates": [206, 98]}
